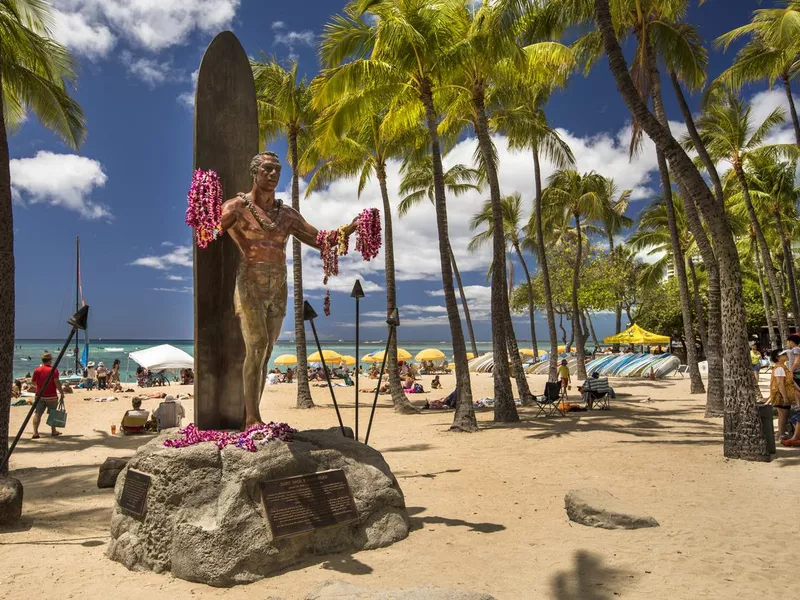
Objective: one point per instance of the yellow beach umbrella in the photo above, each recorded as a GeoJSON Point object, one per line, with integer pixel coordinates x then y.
{"type": "Point", "coordinates": [286, 360]}
{"type": "Point", "coordinates": [526, 351]}
{"type": "Point", "coordinates": [329, 355]}
{"type": "Point", "coordinates": [429, 354]}
{"type": "Point", "coordinates": [368, 358]}
{"type": "Point", "coordinates": [401, 355]}
{"type": "Point", "coordinates": [470, 356]}
{"type": "Point", "coordinates": [348, 361]}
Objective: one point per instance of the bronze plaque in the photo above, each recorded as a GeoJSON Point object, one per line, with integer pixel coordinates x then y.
{"type": "Point", "coordinates": [134, 493]}
{"type": "Point", "coordinates": [307, 502]}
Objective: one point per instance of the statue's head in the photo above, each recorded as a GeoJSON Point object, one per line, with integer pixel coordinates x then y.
{"type": "Point", "coordinates": [266, 170]}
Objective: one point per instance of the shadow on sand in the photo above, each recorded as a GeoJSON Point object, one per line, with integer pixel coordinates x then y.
{"type": "Point", "coordinates": [588, 579]}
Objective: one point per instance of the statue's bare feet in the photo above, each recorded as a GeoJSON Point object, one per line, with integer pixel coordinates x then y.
{"type": "Point", "coordinates": [250, 421]}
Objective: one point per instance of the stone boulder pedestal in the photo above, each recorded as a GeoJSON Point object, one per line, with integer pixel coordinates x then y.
{"type": "Point", "coordinates": [599, 508]}
{"type": "Point", "coordinates": [205, 520]}
{"type": "Point", "coordinates": [10, 500]}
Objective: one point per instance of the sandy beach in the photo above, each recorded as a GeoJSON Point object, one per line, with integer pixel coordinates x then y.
{"type": "Point", "coordinates": [487, 509]}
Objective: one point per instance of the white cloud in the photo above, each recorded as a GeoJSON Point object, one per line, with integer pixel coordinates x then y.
{"type": "Point", "coordinates": [90, 39]}
{"type": "Point", "coordinates": [180, 256]}
{"type": "Point", "coordinates": [187, 98]}
{"type": "Point", "coordinates": [151, 71]}
{"type": "Point", "coordinates": [292, 39]}
{"type": "Point", "coordinates": [175, 278]}
{"type": "Point", "coordinates": [763, 103]}
{"type": "Point", "coordinates": [183, 290]}
{"type": "Point", "coordinates": [149, 24]}
{"type": "Point", "coordinates": [65, 180]}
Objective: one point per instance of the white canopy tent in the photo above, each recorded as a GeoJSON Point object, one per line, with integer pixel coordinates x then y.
{"type": "Point", "coordinates": [162, 357]}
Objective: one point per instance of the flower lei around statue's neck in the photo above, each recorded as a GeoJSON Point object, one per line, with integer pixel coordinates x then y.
{"type": "Point", "coordinates": [335, 243]}
{"type": "Point", "coordinates": [247, 439]}
{"type": "Point", "coordinates": [204, 212]}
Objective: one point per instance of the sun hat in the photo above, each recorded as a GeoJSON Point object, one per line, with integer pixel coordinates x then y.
{"type": "Point", "coordinates": [91, 363]}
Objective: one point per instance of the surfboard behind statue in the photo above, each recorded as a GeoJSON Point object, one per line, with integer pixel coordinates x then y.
{"type": "Point", "coordinates": [225, 140]}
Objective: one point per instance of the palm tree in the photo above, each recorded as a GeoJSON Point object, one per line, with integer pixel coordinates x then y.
{"type": "Point", "coordinates": [527, 128]}
{"type": "Point", "coordinates": [362, 152]}
{"type": "Point", "coordinates": [775, 199]}
{"type": "Point", "coordinates": [285, 109]}
{"type": "Point", "coordinates": [772, 53]}
{"type": "Point", "coordinates": [727, 131]}
{"type": "Point", "coordinates": [574, 198]}
{"type": "Point", "coordinates": [485, 54]}
{"type": "Point", "coordinates": [614, 221]}
{"type": "Point", "coordinates": [35, 75]}
{"type": "Point", "coordinates": [416, 185]}
{"type": "Point", "coordinates": [402, 54]}
{"type": "Point", "coordinates": [743, 434]}
{"type": "Point", "coordinates": [511, 208]}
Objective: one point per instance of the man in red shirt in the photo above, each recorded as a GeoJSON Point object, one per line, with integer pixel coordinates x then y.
{"type": "Point", "coordinates": [48, 399]}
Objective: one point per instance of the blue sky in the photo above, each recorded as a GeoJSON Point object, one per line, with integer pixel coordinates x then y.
{"type": "Point", "coordinates": [124, 191]}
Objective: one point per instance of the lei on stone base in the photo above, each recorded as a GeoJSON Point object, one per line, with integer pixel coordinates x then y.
{"type": "Point", "coordinates": [246, 440]}
{"type": "Point", "coordinates": [335, 243]}
{"type": "Point", "coordinates": [204, 212]}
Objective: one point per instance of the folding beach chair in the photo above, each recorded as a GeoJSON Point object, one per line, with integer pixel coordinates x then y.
{"type": "Point", "coordinates": [548, 403]}
{"type": "Point", "coordinates": [682, 370]}
{"type": "Point", "coordinates": [599, 393]}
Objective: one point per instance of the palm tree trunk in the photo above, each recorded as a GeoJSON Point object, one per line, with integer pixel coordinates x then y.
{"type": "Point", "coordinates": [702, 152]}
{"type": "Point", "coordinates": [552, 373]}
{"type": "Point", "coordinates": [591, 329]}
{"type": "Point", "coordinates": [303, 390]}
{"type": "Point", "coordinates": [531, 308]}
{"type": "Point", "coordinates": [577, 330]}
{"type": "Point", "coordinates": [399, 399]}
{"type": "Point", "coordinates": [743, 434]}
{"type": "Point", "coordinates": [713, 346]}
{"type": "Point", "coordinates": [464, 304]}
{"type": "Point", "coordinates": [563, 334]}
{"type": "Point", "coordinates": [696, 382]}
{"type": "Point", "coordinates": [790, 274]}
{"type": "Point", "coordinates": [773, 342]}
{"type": "Point", "coordinates": [792, 108]}
{"type": "Point", "coordinates": [504, 409]}
{"type": "Point", "coordinates": [6, 283]}
{"type": "Point", "coordinates": [618, 307]}
{"type": "Point", "coordinates": [523, 389]}
{"type": "Point", "coordinates": [766, 257]}
{"type": "Point", "coordinates": [698, 305]}
{"type": "Point", "coordinates": [464, 418]}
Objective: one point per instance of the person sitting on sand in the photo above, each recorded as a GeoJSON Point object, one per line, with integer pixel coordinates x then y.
{"type": "Point", "coordinates": [16, 389]}
{"type": "Point", "coordinates": [289, 375]}
{"type": "Point", "coordinates": [273, 378]}
{"type": "Point", "coordinates": [408, 382]}
{"type": "Point", "coordinates": [563, 376]}
{"type": "Point", "coordinates": [779, 391]}
{"type": "Point", "coordinates": [373, 372]}
{"type": "Point", "coordinates": [134, 420]}
{"type": "Point", "coordinates": [436, 384]}
{"type": "Point", "coordinates": [169, 413]}
{"type": "Point", "coordinates": [47, 395]}
{"type": "Point", "coordinates": [413, 371]}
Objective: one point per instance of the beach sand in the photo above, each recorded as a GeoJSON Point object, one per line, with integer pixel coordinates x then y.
{"type": "Point", "coordinates": [487, 509]}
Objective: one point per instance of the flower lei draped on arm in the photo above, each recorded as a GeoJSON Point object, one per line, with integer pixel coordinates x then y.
{"type": "Point", "coordinates": [335, 243]}
{"type": "Point", "coordinates": [204, 212]}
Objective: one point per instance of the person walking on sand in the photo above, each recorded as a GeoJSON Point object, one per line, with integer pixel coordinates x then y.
{"type": "Point", "coordinates": [48, 398]}
{"type": "Point", "coordinates": [102, 376]}
{"type": "Point", "coordinates": [563, 376]}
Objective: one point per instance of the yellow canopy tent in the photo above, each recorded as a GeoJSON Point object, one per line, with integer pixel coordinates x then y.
{"type": "Point", "coordinates": [636, 336]}
{"type": "Point", "coordinates": [286, 360]}
{"type": "Point", "coordinates": [429, 354]}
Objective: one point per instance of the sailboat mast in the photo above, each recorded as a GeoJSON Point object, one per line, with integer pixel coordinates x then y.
{"type": "Point", "coordinates": [77, 290]}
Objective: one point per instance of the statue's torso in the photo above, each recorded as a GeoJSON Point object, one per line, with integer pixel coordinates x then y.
{"type": "Point", "coordinates": [256, 244]}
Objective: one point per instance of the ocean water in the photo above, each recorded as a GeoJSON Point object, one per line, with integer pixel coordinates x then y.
{"type": "Point", "coordinates": [27, 353]}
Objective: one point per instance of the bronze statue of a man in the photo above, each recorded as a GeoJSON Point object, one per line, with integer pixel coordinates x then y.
{"type": "Point", "coordinates": [260, 225]}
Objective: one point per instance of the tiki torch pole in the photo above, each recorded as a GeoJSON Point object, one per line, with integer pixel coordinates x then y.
{"type": "Point", "coordinates": [78, 321]}
{"type": "Point", "coordinates": [309, 314]}
{"type": "Point", "coordinates": [394, 322]}
{"type": "Point", "coordinates": [357, 293]}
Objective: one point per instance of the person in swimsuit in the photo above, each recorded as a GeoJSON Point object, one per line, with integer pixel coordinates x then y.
{"type": "Point", "coordinates": [260, 225]}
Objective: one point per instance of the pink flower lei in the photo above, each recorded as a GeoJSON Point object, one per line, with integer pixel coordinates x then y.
{"type": "Point", "coordinates": [368, 233]}
{"type": "Point", "coordinates": [204, 212]}
{"type": "Point", "coordinates": [247, 440]}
